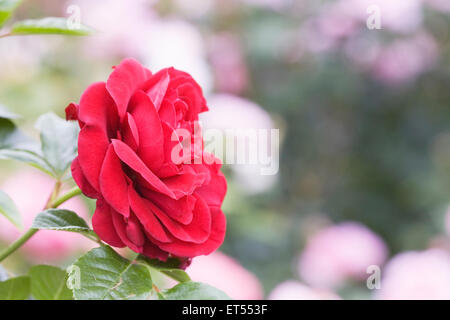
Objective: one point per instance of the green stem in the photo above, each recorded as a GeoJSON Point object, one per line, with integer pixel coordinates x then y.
{"type": "Point", "coordinates": [18, 243]}
{"type": "Point", "coordinates": [72, 193]}
{"type": "Point", "coordinates": [50, 204]}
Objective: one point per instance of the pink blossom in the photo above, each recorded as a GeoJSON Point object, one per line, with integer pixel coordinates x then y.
{"type": "Point", "coordinates": [335, 24]}
{"type": "Point", "coordinates": [405, 59]}
{"type": "Point", "coordinates": [417, 276]}
{"type": "Point", "coordinates": [326, 29]}
{"type": "Point", "coordinates": [120, 26]}
{"type": "Point", "coordinates": [313, 40]}
{"type": "Point", "coordinates": [294, 290]}
{"type": "Point", "coordinates": [227, 59]}
{"type": "Point", "coordinates": [340, 252]}
{"type": "Point", "coordinates": [363, 52]}
{"type": "Point", "coordinates": [341, 20]}
{"type": "Point", "coordinates": [30, 190]}
{"type": "Point", "coordinates": [401, 16]}
{"type": "Point", "coordinates": [226, 274]}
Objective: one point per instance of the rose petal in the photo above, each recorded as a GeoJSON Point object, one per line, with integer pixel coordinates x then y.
{"type": "Point", "coordinates": [121, 228]}
{"type": "Point", "coordinates": [130, 132]}
{"type": "Point", "coordinates": [181, 108]}
{"type": "Point", "coordinates": [180, 210]}
{"type": "Point", "coordinates": [151, 148]}
{"type": "Point", "coordinates": [196, 232]}
{"type": "Point", "coordinates": [145, 215]}
{"type": "Point", "coordinates": [92, 147]}
{"type": "Point", "coordinates": [193, 98]}
{"type": "Point", "coordinates": [214, 192]}
{"type": "Point", "coordinates": [134, 231]}
{"type": "Point", "coordinates": [153, 252]}
{"type": "Point", "coordinates": [167, 113]}
{"type": "Point", "coordinates": [156, 87]}
{"type": "Point", "coordinates": [72, 111]}
{"type": "Point", "coordinates": [81, 181]}
{"type": "Point", "coordinates": [126, 78]}
{"type": "Point", "coordinates": [171, 141]}
{"type": "Point", "coordinates": [97, 108]}
{"type": "Point", "coordinates": [130, 158]}
{"type": "Point", "coordinates": [188, 249]}
{"type": "Point", "coordinates": [194, 93]}
{"type": "Point", "coordinates": [113, 184]}
{"type": "Point", "coordinates": [185, 182]}
{"type": "Point", "coordinates": [103, 225]}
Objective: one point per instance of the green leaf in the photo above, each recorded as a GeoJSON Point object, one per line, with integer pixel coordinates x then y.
{"type": "Point", "coordinates": [49, 283]}
{"type": "Point", "coordinates": [104, 275]}
{"type": "Point", "coordinates": [12, 137]}
{"type": "Point", "coordinates": [7, 7]}
{"type": "Point", "coordinates": [49, 25]}
{"type": "Point", "coordinates": [28, 157]}
{"type": "Point", "coordinates": [14, 145]}
{"type": "Point", "coordinates": [15, 288]}
{"type": "Point", "coordinates": [177, 274]}
{"type": "Point", "coordinates": [9, 210]}
{"type": "Point", "coordinates": [59, 141]}
{"type": "Point", "coordinates": [170, 268]}
{"type": "Point", "coordinates": [59, 219]}
{"type": "Point", "coordinates": [194, 291]}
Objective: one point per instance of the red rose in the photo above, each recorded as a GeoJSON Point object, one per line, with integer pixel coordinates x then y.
{"type": "Point", "coordinates": [145, 200]}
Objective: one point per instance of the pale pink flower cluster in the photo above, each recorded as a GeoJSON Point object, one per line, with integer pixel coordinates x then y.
{"type": "Point", "coordinates": [295, 290]}
{"type": "Point", "coordinates": [226, 274]}
{"type": "Point", "coordinates": [401, 16]}
{"type": "Point", "coordinates": [416, 276]}
{"type": "Point", "coordinates": [120, 27]}
{"type": "Point", "coordinates": [343, 19]}
{"type": "Point", "coordinates": [403, 60]}
{"type": "Point", "coordinates": [339, 253]}
{"type": "Point", "coordinates": [342, 25]}
{"type": "Point", "coordinates": [228, 64]}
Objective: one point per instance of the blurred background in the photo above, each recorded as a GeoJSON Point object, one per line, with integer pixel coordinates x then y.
{"type": "Point", "coordinates": [364, 121]}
